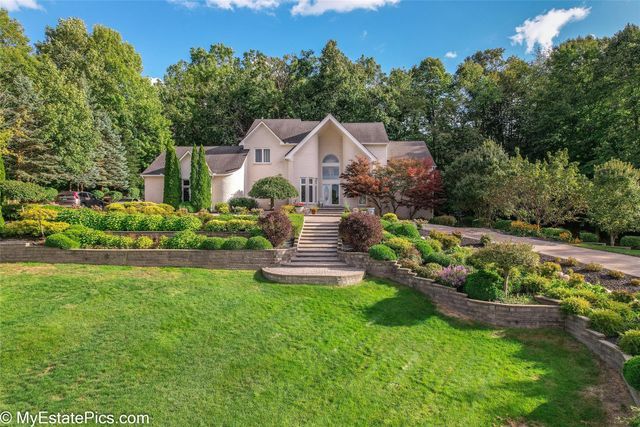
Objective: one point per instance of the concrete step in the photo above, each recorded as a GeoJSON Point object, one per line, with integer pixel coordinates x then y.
{"type": "Point", "coordinates": [315, 264]}
{"type": "Point", "coordinates": [315, 259]}
{"type": "Point", "coordinates": [313, 255]}
{"type": "Point", "coordinates": [340, 276]}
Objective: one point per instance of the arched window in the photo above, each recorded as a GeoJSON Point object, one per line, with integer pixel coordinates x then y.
{"type": "Point", "coordinates": [330, 167]}
{"type": "Point", "coordinates": [330, 158]}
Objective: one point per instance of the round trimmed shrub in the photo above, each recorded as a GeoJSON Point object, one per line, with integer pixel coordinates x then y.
{"type": "Point", "coordinates": [632, 241]}
{"type": "Point", "coordinates": [234, 243]}
{"type": "Point", "coordinates": [222, 208]}
{"type": "Point", "coordinates": [382, 253]}
{"type": "Point", "coordinates": [533, 284]}
{"type": "Point", "coordinates": [258, 243]}
{"type": "Point", "coordinates": [143, 242]}
{"type": "Point", "coordinates": [549, 269]}
{"type": "Point", "coordinates": [402, 247]}
{"type": "Point", "coordinates": [186, 239]}
{"type": "Point", "coordinates": [361, 231]}
{"type": "Point", "coordinates": [630, 342]}
{"type": "Point", "coordinates": [439, 258]}
{"type": "Point", "coordinates": [212, 243]}
{"type": "Point", "coordinates": [607, 322]}
{"type": "Point", "coordinates": [429, 270]}
{"type": "Point", "coordinates": [276, 227]}
{"type": "Point", "coordinates": [424, 248]}
{"type": "Point", "coordinates": [244, 202]}
{"type": "Point", "coordinates": [484, 285]}
{"type": "Point", "coordinates": [448, 240]}
{"type": "Point", "coordinates": [61, 241]}
{"type": "Point", "coordinates": [587, 236]}
{"type": "Point", "coordinates": [576, 305]}
{"type": "Point", "coordinates": [391, 217]}
{"type": "Point", "coordinates": [444, 220]}
{"type": "Point", "coordinates": [631, 372]}
{"type": "Point", "coordinates": [404, 229]}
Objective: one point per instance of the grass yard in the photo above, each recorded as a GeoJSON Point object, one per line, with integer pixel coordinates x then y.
{"type": "Point", "coordinates": [615, 249]}
{"type": "Point", "coordinates": [201, 347]}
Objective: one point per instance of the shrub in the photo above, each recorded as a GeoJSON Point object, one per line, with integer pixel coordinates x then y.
{"type": "Point", "coordinates": [222, 207]}
{"type": "Point", "coordinates": [361, 231]}
{"type": "Point", "coordinates": [506, 257]}
{"type": "Point", "coordinates": [533, 284]}
{"type": "Point", "coordinates": [245, 202]}
{"type": "Point", "coordinates": [133, 222]}
{"type": "Point", "coordinates": [453, 276]}
{"type": "Point", "coordinates": [575, 305]}
{"type": "Point", "coordinates": [99, 194]}
{"type": "Point", "coordinates": [593, 267]}
{"type": "Point", "coordinates": [607, 322]}
{"type": "Point", "coordinates": [484, 285]}
{"type": "Point", "coordinates": [212, 243]}
{"type": "Point", "coordinates": [481, 223]}
{"type": "Point", "coordinates": [382, 253]}
{"type": "Point", "coordinates": [276, 226]}
{"type": "Point", "coordinates": [390, 217]}
{"type": "Point", "coordinates": [435, 244]}
{"type": "Point", "coordinates": [634, 282]}
{"type": "Point", "coordinates": [485, 239]}
{"type": "Point", "coordinates": [631, 372]}
{"type": "Point", "coordinates": [522, 228]}
{"type": "Point", "coordinates": [424, 248]}
{"type": "Point", "coordinates": [82, 216]}
{"type": "Point", "coordinates": [143, 242]}
{"type": "Point", "coordinates": [444, 220]}
{"type": "Point", "coordinates": [614, 274]}
{"type": "Point", "coordinates": [234, 243]}
{"type": "Point", "coordinates": [61, 241]}
{"type": "Point", "coordinates": [429, 270]}
{"type": "Point", "coordinates": [119, 207]}
{"type": "Point", "coordinates": [575, 279]}
{"type": "Point", "coordinates": [402, 247]}
{"type": "Point", "coordinates": [448, 240]}
{"type": "Point", "coordinates": [632, 241]}
{"type": "Point", "coordinates": [404, 229]}
{"type": "Point", "coordinates": [288, 209]}
{"type": "Point", "coordinates": [231, 226]}
{"type": "Point", "coordinates": [622, 296]}
{"type": "Point", "coordinates": [549, 269]}
{"type": "Point", "coordinates": [502, 224]}
{"type": "Point", "coordinates": [21, 192]}
{"type": "Point", "coordinates": [151, 223]}
{"type": "Point", "coordinates": [273, 188]}
{"type": "Point", "coordinates": [1, 219]}
{"type": "Point", "coordinates": [187, 207]}
{"type": "Point", "coordinates": [31, 228]}
{"type": "Point", "coordinates": [186, 239]}
{"type": "Point", "coordinates": [258, 243]}
{"type": "Point", "coordinates": [586, 236]}
{"type": "Point", "coordinates": [439, 258]}
{"type": "Point", "coordinates": [569, 262]}
{"type": "Point", "coordinates": [556, 233]}
{"type": "Point", "coordinates": [630, 342]}
{"type": "Point", "coordinates": [181, 223]}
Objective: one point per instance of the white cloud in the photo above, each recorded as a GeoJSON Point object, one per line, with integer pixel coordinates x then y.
{"type": "Point", "coordinates": [318, 7]}
{"type": "Point", "coordinates": [364, 34]}
{"type": "Point", "coordinates": [542, 29]}
{"type": "Point", "coordinates": [451, 55]}
{"type": "Point", "coordinates": [14, 5]}
{"type": "Point", "coordinates": [155, 80]}
{"type": "Point", "coordinates": [249, 4]}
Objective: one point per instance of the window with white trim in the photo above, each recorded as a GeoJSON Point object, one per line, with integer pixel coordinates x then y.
{"type": "Point", "coordinates": [186, 190]}
{"type": "Point", "coordinates": [362, 200]}
{"type": "Point", "coordinates": [308, 189]}
{"type": "Point", "coordinates": [262, 155]}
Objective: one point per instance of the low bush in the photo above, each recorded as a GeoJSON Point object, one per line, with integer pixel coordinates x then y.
{"type": "Point", "coordinates": [444, 220]}
{"type": "Point", "coordinates": [21, 192]}
{"type": "Point", "coordinates": [390, 217]}
{"type": "Point", "coordinates": [222, 208]}
{"type": "Point", "coordinates": [533, 284]}
{"type": "Point", "coordinates": [632, 241]}
{"type": "Point", "coordinates": [631, 372]}
{"type": "Point", "coordinates": [143, 242]}
{"type": "Point", "coordinates": [622, 296]}
{"type": "Point", "coordinates": [244, 202]}
{"type": "Point", "coordinates": [484, 285]}
{"type": "Point", "coordinates": [549, 269]}
{"type": "Point", "coordinates": [382, 253]}
{"type": "Point", "coordinates": [453, 276]}
{"type": "Point", "coordinates": [593, 267]}
{"type": "Point", "coordinates": [288, 208]}
{"type": "Point", "coordinates": [424, 248]}
{"type": "Point", "coordinates": [258, 243]}
{"type": "Point", "coordinates": [556, 233]}
{"type": "Point", "coordinates": [575, 279]}
{"type": "Point", "coordinates": [615, 274]}
{"type": "Point", "coordinates": [502, 224]}
{"type": "Point", "coordinates": [181, 223]}
{"type": "Point", "coordinates": [31, 228]}
{"type": "Point", "coordinates": [234, 243]}
{"type": "Point", "coordinates": [634, 282]}
{"type": "Point", "coordinates": [361, 231]}
{"type": "Point", "coordinates": [186, 239]}
{"type": "Point", "coordinates": [569, 262]}
{"type": "Point", "coordinates": [404, 229]}
{"type": "Point", "coordinates": [61, 241]}
{"type": "Point", "coordinates": [576, 305]}
{"type": "Point", "coordinates": [212, 243]}
{"type": "Point", "coordinates": [186, 207]}
{"type": "Point", "coordinates": [439, 258]}
{"type": "Point", "coordinates": [485, 239]}
{"type": "Point", "coordinates": [231, 226]}
{"type": "Point", "coordinates": [629, 342]}
{"type": "Point", "coordinates": [429, 271]}
{"type": "Point", "coordinates": [448, 240]}
{"type": "Point", "coordinates": [276, 227]}
{"type": "Point", "coordinates": [521, 228]}
{"type": "Point", "coordinates": [481, 223]}
{"type": "Point", "coordinates": [402, 247]}
{"type": "Point", "coordinates": [588, 237]}
{"type": "Point", "coordinates": [607, 322]}
{"type": "Point", "coordinates": [151, 223]}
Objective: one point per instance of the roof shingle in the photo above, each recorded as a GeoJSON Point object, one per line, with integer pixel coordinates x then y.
{"type": "Point", "coordinates": [222, 159]}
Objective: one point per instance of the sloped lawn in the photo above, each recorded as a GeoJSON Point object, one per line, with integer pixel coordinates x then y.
{"type": "Point", "coordinates": [200, 347]}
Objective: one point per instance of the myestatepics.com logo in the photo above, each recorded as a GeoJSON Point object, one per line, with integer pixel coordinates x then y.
{"type": "Point", "coordinates": [89, 417]}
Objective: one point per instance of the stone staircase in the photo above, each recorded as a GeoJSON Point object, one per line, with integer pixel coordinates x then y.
{"type": "Point", "coordinates": [318, 242]}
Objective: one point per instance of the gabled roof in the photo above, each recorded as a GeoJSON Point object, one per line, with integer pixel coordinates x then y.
{"type": "Point", "coordinates": [408, 150]}
{"type": "Point", "coordinates": [220, 158]}
{"type": "Point", "coordinates": [293, 131]}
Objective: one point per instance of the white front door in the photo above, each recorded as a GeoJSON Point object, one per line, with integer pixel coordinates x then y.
{"type": "Point", "coordinates": [331, 194]}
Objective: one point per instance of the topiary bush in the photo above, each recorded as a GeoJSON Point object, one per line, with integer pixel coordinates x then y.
{"type": "Point", "coordinates": [484, 285]}
{"type": "Point", "coordinates": [576, 305]}
{"type": "Point", "coordinates": [61, 241]}
{"type": "Point", "coordinates": [632, 241]}
{"type": "Point", "coordinates": [361, 231]}
{"type": "Point", "coordinates": [588, 237]}
{"type": "Point", "coordinates": [276, 227]}
{"type": "Point", "coordinates": [631, 372]}
{"type": "Point", "coordinates": [212, 243]}
{"type": "Point", "coordinates": [607, 322]}
{"type": "Point", "coordinates": [629, 342]}
{"type": "Point", "coordinates": [244, 202]}
{"type": "Point", "coordinates": [234, 243]}
{"type": "Point", "coordinates": [390, 217]}
{"type": "Point", "coordinates": [404, 229]}
{"type": "Point", "coordinates": [382, 253]}
{"type": "Point", "coordinates": [258, 243]}
{"type": "Point", "coordinates": [444, 220]}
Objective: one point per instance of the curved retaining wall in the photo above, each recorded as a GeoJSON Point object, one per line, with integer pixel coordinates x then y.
{"type": "Point", "coordinates": [231, 260]}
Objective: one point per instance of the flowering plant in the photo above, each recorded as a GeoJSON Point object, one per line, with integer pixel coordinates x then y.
{"type": "Point", "coordinates": [453, 276]}
{"type": "Point", "coordinates": [299, 205]}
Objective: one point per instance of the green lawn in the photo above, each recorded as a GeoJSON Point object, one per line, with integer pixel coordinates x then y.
{"type": "Point", "coordinates": [615, 249]}
{"type": "Point", "coordinates": [200, 347]}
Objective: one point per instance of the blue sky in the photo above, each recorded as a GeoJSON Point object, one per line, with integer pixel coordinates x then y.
{"type": "Point", "coordinates": [398, 33]}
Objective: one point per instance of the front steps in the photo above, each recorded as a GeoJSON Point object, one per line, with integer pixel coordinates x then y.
{"type": "Point", "coordinates": [316, 259]}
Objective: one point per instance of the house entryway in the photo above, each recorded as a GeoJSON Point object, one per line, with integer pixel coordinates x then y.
{"type": "Point", "coordinates": [331, 194]}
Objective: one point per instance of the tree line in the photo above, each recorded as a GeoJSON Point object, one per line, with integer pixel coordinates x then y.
{"type": "Point", "coordinates": [75, 110]}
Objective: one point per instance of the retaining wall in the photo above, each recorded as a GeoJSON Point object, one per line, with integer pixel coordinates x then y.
{"type": "Point", "coordinates": [231, 260]}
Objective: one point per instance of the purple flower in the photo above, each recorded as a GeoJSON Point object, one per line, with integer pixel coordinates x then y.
{"type": "Point", "coordinates": [453, 276]}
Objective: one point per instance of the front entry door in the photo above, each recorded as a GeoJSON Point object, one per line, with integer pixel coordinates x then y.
{"type": "Point", "coordinates": [331, 194]}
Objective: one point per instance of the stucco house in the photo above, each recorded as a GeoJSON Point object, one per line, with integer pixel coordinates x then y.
{"type": "Point", "coordinates": [310, 154]}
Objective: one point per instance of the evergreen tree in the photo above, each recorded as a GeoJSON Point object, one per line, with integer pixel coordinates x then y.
{"type": "Point", "coordinates": [195, 179]}
{"type": "Point", "coordinates": [172, 194]}
{"type": "Point", "coordinates": [3, 174]}
{"type": "Point", "coordinates": [205, 180]}
{"type": "Point", "coordinates": [110, 163]}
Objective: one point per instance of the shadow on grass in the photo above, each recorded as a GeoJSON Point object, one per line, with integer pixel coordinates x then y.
{"type": "Point", "coordinates": [405, 308]}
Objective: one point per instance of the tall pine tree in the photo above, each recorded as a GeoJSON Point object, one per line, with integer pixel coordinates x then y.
{"type": "Point", "coordinates": [110, 163]}
{"type": "Point", "coordinates": [195, 179]}
{"type": "Point", "coordinates": [172, 194]}
{"type": "Point", "coordinates": [205, 181]}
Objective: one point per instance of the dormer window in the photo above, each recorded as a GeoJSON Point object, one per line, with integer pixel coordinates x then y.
{"type": "Point", "coordinates": [262, 155]}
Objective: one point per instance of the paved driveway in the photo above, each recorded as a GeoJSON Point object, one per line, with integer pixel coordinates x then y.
{"type": "Point", "coordinates": [611, 261]}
